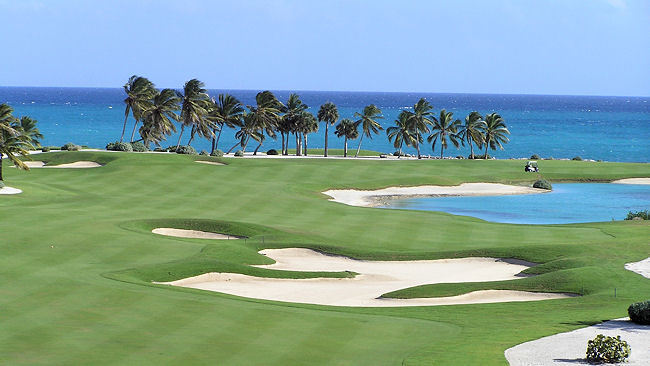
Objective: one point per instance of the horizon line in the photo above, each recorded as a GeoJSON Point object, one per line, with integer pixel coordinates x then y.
{"type": "Point", "coordinates": [341, 91]}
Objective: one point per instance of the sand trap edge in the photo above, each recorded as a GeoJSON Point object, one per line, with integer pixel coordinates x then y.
{"type": "Point", "coordinates": [209, 162]}
{"type": "Point", "coordinates": [10, 190]}
{"type": "Point", "coordinates": [632, 181]}
{"type": "Point", "coordinates": [193, 234]}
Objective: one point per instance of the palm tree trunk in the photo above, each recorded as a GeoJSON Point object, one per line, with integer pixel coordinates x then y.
{"type": "Point", "coordinates": [282, 133]}
{"type": "Point", "coordinates": [305, 150]}
{"type": "Point", "coordinates": [399, 152]}
{"type": "Point", "coordinates": [126, 117]}
{"type": "Point", "coordinates": [216, 146]}
{"type": "Point", "coordinates": [471, 149]}
{"type": "Point", "coordinates": [214, 134]}
{"type": "Point", "coordinates": [359, 148]}
{"type": "Point", "coordinates": [243, 149]}
{"type": "Point", "coordinates": [1, 167]}
{"type": "Point", "coordinates": [133, 133]}
{"type": "Point", "coordinates": [345, 148]}
{"type": "Point", "coordinates": [326, 130]}
{"type": "Point", "coordinates": [231, 149]}
{"type": "Point", "coordinates": [486, 147]}
{"type": "Point", "coordinates": [179, 137]}
{"type": "Point", "coordinates": [257, 148]}
{"type": "Point", "coordinates": [442, 148]}
{"type": "Point", "coordinates": [418, 145]}
{"type": "Point", "coordinates": [297, 135]}
{"type": "Point", "coordinates": [192, 135]}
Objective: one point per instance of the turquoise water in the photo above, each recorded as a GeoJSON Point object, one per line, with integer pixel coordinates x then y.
{"type": "Point", "coordinates": [567, 203]}
{"type": "Point", "coordinates": [605, 128]}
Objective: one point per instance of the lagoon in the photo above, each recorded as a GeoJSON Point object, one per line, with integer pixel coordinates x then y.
{"type": "Point", "coordinates": [567, 203]}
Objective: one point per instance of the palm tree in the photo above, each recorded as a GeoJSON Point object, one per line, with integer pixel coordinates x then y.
{"type": "Point", "coordinates": [328, 114]}
{"type": "Point", "coordinates": [194, 110]}
{"type": "Point", "coordinates": [495, 132]}
{"type": "Point", "coordinates": [226, 112]}
{"type": "Point", "coordinates": [402, 132]}
{"type": "Point", "coordinates": [472, 131]}
{"type": "Point", "coordinates": [290, 121]}
{"type": "Point", "coordinates": [265, 115]}
{"type": "Point", "coordinates": [30, 131]}
{"type": "Point", "coordinates": [139, 90]}
{"type": "Point", "coordinates": [157, 121]}
{"type": "Point", "coordinates": [13, 141]}
{"type": "Point", "coordinates": [368, 124]}
{"type": "Point", "coordinates": [307, 124]}
{"type": "Point", "coordinates": [420, 120]}
{"type": "Point", "coordinates": [443, 128]}
{"type": "Point", "coordinates": [248, 129]}
{"type": "Point", "coordinates": [348, 130]}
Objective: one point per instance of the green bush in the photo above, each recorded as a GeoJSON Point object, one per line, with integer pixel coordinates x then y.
{"type": "Point", "coordinates": [218, 153]}
{"type": "Point", "coordinates": [607, 349]}
{"type": "Point", "coordinates": [543, 184]}
{"type": "Point", "coordinates": [397, 153]}
{"type": "Point", "coordinates": [119, 146]}
{"type": "Point", "coordinates": [639, 312]}
{"type": "Point", "coordinates": [470, 156]}
{"type": "Point", "coordinates": [160, 149]}
{"type": "Point", "coordinates": [272, 152]}
{"type": "Point", "coordinates": [186, 149]}
{"type": "Point", "coordinates": [577, 158]}
{"type": "Point", "coordinates": [2, 184]}
{"type": "Point", "coordinates": [45, 149]}
{"type": "Point", "coordinates": [239, 153]}
{"type": "Point", "coordinates": [71, 147]}
{"type": "Point", "coordinates": [638, 215]}
{"type": "Point", "coordinates": [204, 153]}
{"type": "Point", "coordinates": [138, 146]}
{"type": "Point", "coordinates": [534, 157]}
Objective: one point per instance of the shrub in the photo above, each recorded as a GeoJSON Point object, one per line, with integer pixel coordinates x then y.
{"type": "Point", "coordinates": [239, 153]}
{"type": "Point", "coordinates": [186, 149]}
{"type": "Point", "coordinates": [71, 147]}
{"type": "Point", "coordinates": [218, 153]}
{"type": "Point", "coordinates": [577, 158]}
{"type": "Point", "coordinates": [534, 157]}
{"type": "Point", "coordinates": [272, 152]}
{"type": "Point", "coordinates": [638, 215]}
{"type": "Point", "coordinates": [119, 146]}
{"type": "Point", "coordinates": [607, 349]}
{"type": "Point", "coordinates": [639, 312]}
{"type": "Point", "coordinates": [396, 153]}
{"type": "Point", "coordinates": [543, 184]}
{"type": "Point", "coordinates": [204, 153]}
{"type": "Point", "coordinates": [460, 157]}
{"type": "Point", "coordinates": [160, 149]}
{"type": "Point", "coordinates": [478, 156]}
{"type": "Point", "coordinates": [45, 148]}
{"type": "Point", "coordinates": [138, 147]}
{"type": "Point", "coordinates": [2, 184]}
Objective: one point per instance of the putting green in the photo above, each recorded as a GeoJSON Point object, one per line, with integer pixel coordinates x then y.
{"type": "Point", "coordinates": [78, 258]}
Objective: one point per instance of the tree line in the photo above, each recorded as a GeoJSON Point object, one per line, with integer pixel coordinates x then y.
{"type": "Point", "coordinates": [206, 117]}
{"type": "Point", "coordinates": [17, 137]}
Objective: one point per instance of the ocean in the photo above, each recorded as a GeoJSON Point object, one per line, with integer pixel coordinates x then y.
{"type": "Point", "coordinates": [592, 127]}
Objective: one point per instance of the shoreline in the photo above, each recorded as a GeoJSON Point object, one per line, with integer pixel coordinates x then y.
{"type": "Point", "coordinates": [379, 197]}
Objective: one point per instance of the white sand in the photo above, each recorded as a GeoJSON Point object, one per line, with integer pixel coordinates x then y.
{"type": "Point", "coordinates": [375, 278]}
{"type": "Point", "coordinates": [76, 164]}
{"type": "Point", "coordinates": [10, 190]}
{"type": "Point", "coordinates": [194, 234]}
{"type": "Point", "coordinates": [570, 348]}
{"type": "Point", "coordinates": [641, 267]}
{"type": "Point", "coordinates": [355, 197]}
{"type": "Point", "coordinates": [633, 181]}
{"type": "Point", "coordinates": [209, 162]}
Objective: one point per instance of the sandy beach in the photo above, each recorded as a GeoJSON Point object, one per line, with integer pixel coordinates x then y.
{"type": "Point", "coordinates": [374, 279]}
{"type": "Point", "coordinates": [377, 197]}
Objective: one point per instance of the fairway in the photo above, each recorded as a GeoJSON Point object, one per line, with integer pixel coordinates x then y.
{"type": "Point", "coordinates": [79, 259]}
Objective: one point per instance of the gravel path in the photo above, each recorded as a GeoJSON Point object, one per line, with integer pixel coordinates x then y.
{"type": "Point", "coordinates": [570, 348]}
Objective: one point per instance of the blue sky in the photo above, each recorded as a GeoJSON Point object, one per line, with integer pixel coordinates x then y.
{"type": "Point", "coordinates": [590, 47]}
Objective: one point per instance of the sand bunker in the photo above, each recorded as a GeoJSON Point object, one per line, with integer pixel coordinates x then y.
{"type": "Point", "coordinates": [570, 348]}
{"type": "Point", "coordinates": [377, 197]}
{"type": "Point", "coordinates": [194, 234]}
{"type": "Point", "coordinates": [641, 267]}
{"type": "Point", "coordinates": [76, 164]}
{"type": "Point", "coordinates": [375, 278]}
{"type": "Point", "coordinates": [209, 162]}
{"type": "Point", "coordinates": [10, 190]}
{"type": "Point", "coordinates": [633, 181]}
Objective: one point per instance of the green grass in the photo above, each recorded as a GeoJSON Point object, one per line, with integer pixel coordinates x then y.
{"type": "Point", "coordinates": [78, 258]}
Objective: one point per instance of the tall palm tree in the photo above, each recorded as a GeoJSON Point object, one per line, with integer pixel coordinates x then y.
{"type": "Point", "coordinates": [307, 124]}
{"type": "Point", "coordinates": [495, 131]}
{"type": "Point", "coordinates": [195, 104]}
{"type": "Point", "coordinates": [248, 129]}
{"type": "Point", "coordinates": [348, 130]}
{"type": "Point", "coordinates": [328, 114]}
{"type": "Point", "coordinates": [368, 123]}
{"type": "Point", "coordinates": [444, 127]}
{"type": "Point", "coordinates": [139, 91]}
{"type": "Point", "coordinates": [158, 120]}
{"type": "Point", "coordinates": [472, 131]}
{"type": "Point", "coordinates": [13, 141]}
{"type": "Point", "coordinates": [265, 114]}
{"type": "Point", "coordinates": [30, 131]}
{"type": "Point", "coordinates": [227, 111]}
{"type": "Point", "coordinates": [420, 120]}
{"type": "Point", "coordinates": [402, 132]}
{"type": "Point", "coordinates": [290, 121]}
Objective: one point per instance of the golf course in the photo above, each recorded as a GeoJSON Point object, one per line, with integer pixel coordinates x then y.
{"type": "Point", "coordinates": [85, 281]}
